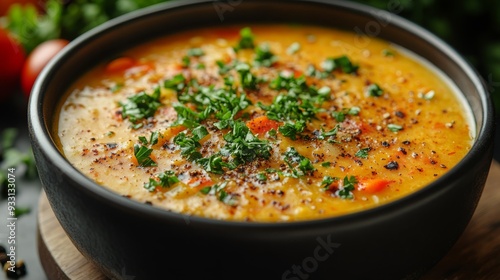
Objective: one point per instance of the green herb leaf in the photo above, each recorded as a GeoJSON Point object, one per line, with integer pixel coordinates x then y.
{"type": "Point", "coordinates": [293, 48]}
{"type": "Point", "coordinates": [166, 180]}
{"type": "Point", "coordinates": [261, 176]}
{"type": "Point", "coordinates": [221, 193]}
{"type": "Point", "coordinates": [326, 164]}
{"type": "Point", "coordinates": [196, 52]}
{"type": "Point", "coordinates": [177, 83]}
{"type": "Point", "coordinates": [394, 127]}
{"type": "Point", "coordinates": [292, 129]}
{"type": "Point", "coordinates": [264, 56]}
{"type": "Point", "coordinates": [246, 40]}
{"type": "Point", "coordinates": [345, 192]}
{"type": "Point", "coordinates": [188, 146]}
{"type": "Point", "coordinates": [374, 90]}
{"type": "Point", "coordinates": [142, 154]}
{"type": "Point", "coordinates": [362, 153]}
{"type": "Point", "coordinates": [328, 181]}
{"type": "Point", "coordinates": [387, 52]}
{"type": "Point", "coordinates": [248, 80]}
{"type": "Point", "coordinates": [140, 106]}
{"type": "Point", "coordinates": [340, 63]}
{"type": "Point", "coordinates": [296, 160]}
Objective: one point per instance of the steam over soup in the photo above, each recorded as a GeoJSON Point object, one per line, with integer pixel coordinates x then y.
{"type": "Point", "coordinates": [264, 123]}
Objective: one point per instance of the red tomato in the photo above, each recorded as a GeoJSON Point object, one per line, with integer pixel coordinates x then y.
{"type": "Point", "coordinates": [37, 59]}
{"type": "Point", "coordinates": [12, 58]}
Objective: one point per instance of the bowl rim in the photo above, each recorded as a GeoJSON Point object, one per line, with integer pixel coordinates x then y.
{"type": "Point", "coordinates": [41, 136]}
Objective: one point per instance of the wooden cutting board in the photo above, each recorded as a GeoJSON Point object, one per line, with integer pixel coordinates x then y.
{"type": "Point", "coordinates": [476, 255]}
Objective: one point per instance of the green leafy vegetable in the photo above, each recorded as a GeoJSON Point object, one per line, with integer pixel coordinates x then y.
{"type": "Point", "coordinates": [141, 106]}
{"type": "Point", "coordinates": [264, 56]}
{"type": "Point", "coordinates": [142, 154]}
{"type": "Point", "coordinates": [65, 19]}
{"type": "Point", "coordinates": [328, 181]}
{"type": "Point", "coordinates": [246, 39]}
{"type": "Point", "coordinates": [178, 83]}
{"type": "Point", "coordinates": [345, 192]}
{"type": "Point", "coordinates": [292, 129]}
{"type": "Point", "coordinates": [340, 115]}
{"type": "Point", "coordinates": [362, 153]}
{"type": "Point", "coordinates": [342, 63]}
{"type": "Point", "coordinates": [293, 48]}
{"type": "Point", "coordinates": [220, 192]}
{"type": "Point", "coordinates": [394, 127]}
{"type": "Point", "coordinates": [189, 146]}
{"type": "Point", "coordinates": [165, 180]}
{"type": "Point", "coordinates": [298, 164]}
{"type": "Point", "coordinates": [374, 90]}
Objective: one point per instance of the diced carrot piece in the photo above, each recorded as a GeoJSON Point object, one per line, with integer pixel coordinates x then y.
{"type": "Point", "coordinates": [134, 161]}
{"type": "Point", "coordinates": [372, 185]}
{"type": "Point", "coordinates": [171, 132]}
{"type": "Point", "coordinates": [120, 64]}
{"type": "Point", "coordinates": [200, 182]}
{"type": "Point", "coordinates": [439, 125]}
{"type": "Point", "coordinates": [262, 124]}
{"type": "Point", "coordinates": [297, 73]}
{"type": "Point", "coordinates": [365, 127]}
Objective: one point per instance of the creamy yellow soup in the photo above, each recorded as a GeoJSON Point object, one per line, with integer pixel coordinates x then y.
{"type": "Point", "coordinates": [264, 123]}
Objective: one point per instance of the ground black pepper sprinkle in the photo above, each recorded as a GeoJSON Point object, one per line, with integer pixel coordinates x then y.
{"type": "Point", "coordinates": [393, 165]}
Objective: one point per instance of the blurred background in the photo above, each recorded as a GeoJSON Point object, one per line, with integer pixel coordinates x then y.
{"type": "Point", "coordinates": [33, 31]}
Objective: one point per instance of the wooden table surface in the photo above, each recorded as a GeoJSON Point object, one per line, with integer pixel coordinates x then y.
{"type": "Point", "coordinates": [476, 255]}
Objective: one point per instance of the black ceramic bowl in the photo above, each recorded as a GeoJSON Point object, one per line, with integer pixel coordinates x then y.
{"type": "Point", "coordinates": [399, 240]}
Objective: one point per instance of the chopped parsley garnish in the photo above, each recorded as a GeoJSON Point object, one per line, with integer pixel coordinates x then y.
{"type": "Point", "coordinates": [340, 115]}
{"type": "Point", "coordinates": [177, 83]}
{"type": "Point", "coordinates": [329, 134]}
{"type": "Point", "coordinates": [153, 139]}
{"type": "Point", "coordinates": [140, 106]}
{"type": "Point", "coordinates": [224, 68]}
{"type": "Point", "coordinates": [345, 192]}
{"type": "Point", "coordinates": [328, 181]}
{"type": "Point", "coordinates": [261, 176]}
{"type": "Point", "coordinates": [288, 108]}
{"type": "Point", "coordinates": [387, 52]}
{"type": "Point", "coordinates": [242, 146]}
{"type": "Point", "coordinates": [196, 52]}
{"type": "Point", "coordinates": [214, 164]}
{"type": "Point", "coordinates": [311, 71]}
{"type": "Point", "coordinates": [295, 161]}
{"type": "Point", "coordinates": [248, 80]}
{"type": "Point", "coordinates": [362, 153]}
{"type": "Point", "coordinates": [189, 146]}
{"type": "Point", "coordinates": [219, 191]}
{"type": "Point", "coordinates": [246, 39]}
{"type": "Point", "coordinates": [298, 88]}
{"type": "Point", "coordinates": [293, 48]}
{"type": "Point", "coordinates": [165, 180]}
{"type": "Point", "coordinates": [394, 127]}
{"type": "Point", "coordinates": [292, 129]}
{"type": "Point", "coordinates": [374, 90]}
{"type": "Point", "coordinates": [264, 56]}
{"type": "Point", "coordinates": [326, 164]}
{"type": "Point", "coordinates": [142, 154]}
{"type": "Point", "coordinates": [340, 63]}
{"type": "Point", "coordinates": [225, 103]}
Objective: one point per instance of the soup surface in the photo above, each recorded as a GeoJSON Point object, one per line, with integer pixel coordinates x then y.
{"type": "Point", "coordinates": [263, 123]}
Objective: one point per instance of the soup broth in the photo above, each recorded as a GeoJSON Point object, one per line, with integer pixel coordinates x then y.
{"type": "Point", "coordinates": [264, 123]}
